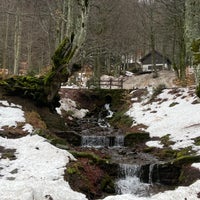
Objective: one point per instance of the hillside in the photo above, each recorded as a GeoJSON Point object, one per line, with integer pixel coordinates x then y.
{"type": "Point", "coordinates": [28, 163]}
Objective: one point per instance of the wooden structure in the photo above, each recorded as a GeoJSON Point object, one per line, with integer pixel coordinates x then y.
{"type": "Point", "coordinates": [161, 62]}
{"type": "Point", "coordinates": [108, 84]}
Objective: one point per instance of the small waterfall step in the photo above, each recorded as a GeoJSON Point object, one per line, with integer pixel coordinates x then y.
{"type": "Point", "coordinates": [102, 141]}
{"type": "Point", "coordinates": [129, 181]}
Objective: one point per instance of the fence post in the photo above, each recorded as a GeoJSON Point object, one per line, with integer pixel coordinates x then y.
{"type": "Point", "coordinates": [121, 83]}
{"type": "Point", "coordinates": [110, 83]}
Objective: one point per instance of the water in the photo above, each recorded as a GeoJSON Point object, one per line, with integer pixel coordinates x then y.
{"type": "Point", "coordinates": [102, 141]}
{"type": "Point", "coordinates": [102, 119]}
{"type": "Point", "coordinates": [130, 182]}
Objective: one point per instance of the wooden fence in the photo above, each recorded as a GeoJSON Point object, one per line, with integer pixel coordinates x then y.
{"type": "Point", "coordinates": [108, 84]}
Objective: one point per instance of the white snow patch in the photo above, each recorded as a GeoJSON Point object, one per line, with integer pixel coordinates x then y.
{"type": "Point", "coordinates": [37, 172]}
{"type": "Point", "coordinates": [9, 116]}
{"type": "Point", "coordinates": [175, 115]}
{"type": "Point", "coordinates": [154, 144]}
{"type": "Point", "coordinates": [189, 193]}
{"type": "Point", "coordinates": [70, 105]}
{"type": "Point", "coordinates": [29, 128]}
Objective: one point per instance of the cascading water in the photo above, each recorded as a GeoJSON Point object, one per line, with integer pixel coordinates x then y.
{"type": "Point", "coordinates": [102, 141]}
{"type": "Point", "coordinates": [102, 119]}
{"type": "Point", "coordinates": [99, 134]}
{"type": "Point", "coordinates": [130, 182]}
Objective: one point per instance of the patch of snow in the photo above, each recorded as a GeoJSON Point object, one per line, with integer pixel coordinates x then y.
{"type": "Point", "coordinates": [154, 144]}
{"type": "Point", "coordinates": [129, 73]}
{"type": "Point", "coordinates": [189, 193]}
{"type": "Point", "coordinates": [29, 128]}
{"type": "Point", "coordinates": [9, 116]}
{"type": "Point", "coordinates": [181, 121]}
{"type": "Point", "coordinates": [196, 165]}
{"type": "Point", "coordinates": [36, 173]}
{"type": "Point", "coordinates": [70, 105]}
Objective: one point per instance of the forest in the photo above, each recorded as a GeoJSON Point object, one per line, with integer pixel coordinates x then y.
{"type": "Point", "coordinates": [31, 30]}
{"type": "Point", "coordinates": [60, 142]}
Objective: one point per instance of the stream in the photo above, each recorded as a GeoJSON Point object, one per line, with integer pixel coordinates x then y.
{"type": "Point", "coordinates": [98, 134]}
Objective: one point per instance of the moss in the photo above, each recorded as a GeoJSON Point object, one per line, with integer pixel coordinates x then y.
{"type": "Point", "coordinates": [56, 141]}
{"type": "Point", "coordinates": [148, 149]}
{"type": "Point", "coordinates": [107, 185]}
{"type": "Point", "coordinates": [120, 119]}
{"type": "Point", "coordinates": [185, 160]}
{"type": "Point", "coordinates": [165, 140]}
{"type": "Point", "coordinates": [94, 158]}
{"type": "Point", "coordinates": [197, 141]}
{"type": "Point", "coordinates": [184, 152]}
{"type": "Point", "coordinates": [72, 170]}
{"type": "Point", "coordinates": [166, 154]}
{"type": "Point", "coordinates": [173, 104]}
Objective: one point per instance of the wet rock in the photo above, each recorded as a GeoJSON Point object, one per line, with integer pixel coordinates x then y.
{"type": "Point", "coordinates": [70, 136]}
{"type": "Point", "coordinates": [166, 174]}
{"type": "Point", "coordinates": [131, 139]}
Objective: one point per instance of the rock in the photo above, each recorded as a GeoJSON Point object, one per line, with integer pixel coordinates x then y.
{"type": "Point", "coordinates": [131, 139]}
{"type": "Point", "coordinates": [70, 136]}
{"type": "Point", "coordinates": [166, 174]}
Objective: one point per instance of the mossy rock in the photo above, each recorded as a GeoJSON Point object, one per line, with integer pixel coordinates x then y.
{"type": "Point", "coordinates": [132, 139]}
{"type": "Point", "coordinates": [185, 152]}
{"type": "Point", "coordinates": [120, 119]}
{"type": "Point", "coordinates": [93, 157]}
{"type": "Point", "coordinates": [165, 140]}
{"type": "Point", "coordinates": [166, 154]}
{"type": "Point", "coordinates": [70, 136]}
{"type": "Point", "coordinates": [189, 175]}
{"type": "Point", "coordinates": [107, 185]}
{"type": "Point", "coordinates": [186, 160]}
{"type": "Point", "coordinates": [87, 176]}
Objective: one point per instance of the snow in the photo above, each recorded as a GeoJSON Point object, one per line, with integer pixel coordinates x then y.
{"type": "Point", "coordinates": [7, 113]}
{"type": "Point", "coordinates": [37, 172]}
{"type": "Point", "coordinates": [69, 105]}
{"type": "Point", "coordinates": [175, 116]}
{"type": "Point", "coordinates": [189, 193]}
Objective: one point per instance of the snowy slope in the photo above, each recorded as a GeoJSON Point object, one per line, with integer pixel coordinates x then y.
{"type": "Point", "coordinates": [37, 172]}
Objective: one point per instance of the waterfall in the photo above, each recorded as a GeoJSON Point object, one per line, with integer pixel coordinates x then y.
{"type": "Point", "coordinates": [110, 113]}
{"type": "Point", "coordinates": [102, 119]}
{"type": "Point", "coordinates": [130, 182]}
{"type": "Point", "coordinates": [151, 167]}
{"type": "Point", "coordinates": [102, 141]}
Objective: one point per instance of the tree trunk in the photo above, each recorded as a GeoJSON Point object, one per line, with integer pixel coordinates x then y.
{"type": "Point", "coordinates": [44, 90]}
{"type": "Point", "coordinates": [17, 40]}
{"type": "Point", "coordinates": [4, 65]}
{"type": "Point", "coordinates": [66, 53]}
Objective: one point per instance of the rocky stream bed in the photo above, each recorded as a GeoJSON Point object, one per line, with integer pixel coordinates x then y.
{"type": "Point", "coordinates": [115, 160]}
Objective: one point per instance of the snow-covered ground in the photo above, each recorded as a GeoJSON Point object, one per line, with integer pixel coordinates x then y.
{"type": "Point", "coordinates": [172, 114]}
{"type": "Point", "coordinates": [37, 172]}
